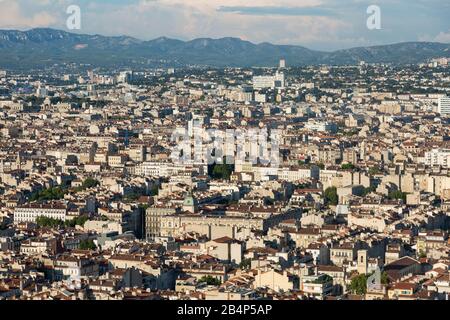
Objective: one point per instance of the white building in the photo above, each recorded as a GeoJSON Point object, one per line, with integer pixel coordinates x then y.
{"type": "Point", "coordinates": [41, 92]}
{"type": "Point", "coordinates": [297, 174]}
{"type": "Point", "coordinates": [321, 126]}
{"type": "Point", "coordinates": [263, 82]}
{"type": "Point", "coordinates": [444, 105]}
{"type": "Point", "coordinates": [260, 97]}
{"type": "Point", "coordinates": [438, 157]}
{"type": "Point", "coordinates": [30, 212]}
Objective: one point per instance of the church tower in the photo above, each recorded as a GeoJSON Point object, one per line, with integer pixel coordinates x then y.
{"type": "Point", "coordinates": [190, 204]}
{"type": "Point", "coordinates": [362, 263]}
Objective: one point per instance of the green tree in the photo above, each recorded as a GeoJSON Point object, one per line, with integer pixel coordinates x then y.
{"type": "Point", "coordinates": [358, 285]}
{"type": "Point", "coordinates": [221, 171]}
{"type": "Point", "coordinates": [154, 191]}
{"type": "Point", "coordinates": [78, 221]}
{"type": "Point", "coordinates": [55, 193]}
{"type": "Point", "coordinates": [348, 166]}
{"type": "Point", "coordinates": [324, 279]}
{"type": "Point", "coordinates": [384, 278]}
{"type": "Point", "coordinates": [397, 195]}
{"type": "Point", "coordinates": [422, 254]}
{"type": "Point", "coordinates": [210, 280]}
{"type": "Point", "coordinates": [87, 245]}
{"type": "Point", "coordinates": [49, 222]}
{"type": "Point", "coordinates": [245, 263]}
{"type": "Point", "coordinates": [331, 196]}
{"type": "Point", "coordinates": [90, 183]}
{"type": "Point", "coordinates": [369, 190]}
{"type": "Point", "coordinates": [374, 171]}
{"type": "Point", "coordinates": [87, 184]}
{"type": "Point", "coordinates": [132, 196]}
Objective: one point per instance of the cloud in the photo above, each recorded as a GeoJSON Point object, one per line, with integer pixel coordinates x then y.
{"type": "Point", "coordinates": [12, 16]}
{"type": "Point", "coordinates": [319, 24]}
{"type": "Point", "coordinates": [284, 11]}
{"type": "Point", "coordinates": [443, 37]}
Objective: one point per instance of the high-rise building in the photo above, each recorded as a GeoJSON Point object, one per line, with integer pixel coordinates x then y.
{"type": "Point", "coordinates": [125, 77]}
{"type": "Point", "coordinates": [444, 105]}
{"type": "Point", "coordinates": [41, 92]}
{"type": "Point", "coordinates": [282, 63]}
{"type": "Point", "coordinates": [91, 75]}
{"type": "Point", "coordinates": [262, 82]}
{"type": "Point", "coordinates": [280, 80]}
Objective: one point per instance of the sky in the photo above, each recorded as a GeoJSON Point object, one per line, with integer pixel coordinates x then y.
{"type": "Point", "coordinates": [317, 24]}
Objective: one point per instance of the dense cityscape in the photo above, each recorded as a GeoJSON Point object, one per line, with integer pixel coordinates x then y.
{"type": "Point", "coordinates": [288, 183]}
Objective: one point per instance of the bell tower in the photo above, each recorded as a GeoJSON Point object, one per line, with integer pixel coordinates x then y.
{"type": "Point", "coordinates": [362, 264]}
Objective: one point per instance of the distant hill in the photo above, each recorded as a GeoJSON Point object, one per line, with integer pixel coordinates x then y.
{"type": "Point", "coordinates": [38, 48]}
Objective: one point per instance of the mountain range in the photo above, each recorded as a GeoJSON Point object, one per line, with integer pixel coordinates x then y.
{"type": "Point", "coordinates": [43, 47]}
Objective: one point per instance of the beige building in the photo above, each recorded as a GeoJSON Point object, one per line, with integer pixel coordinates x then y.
{"type": "Point", "coordinates": [275, 280]}
{"type": "Point", "coordinates": [226, 249]}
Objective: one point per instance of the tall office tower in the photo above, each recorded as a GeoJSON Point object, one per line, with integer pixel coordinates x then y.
{"type": "Point", "coordinates": [282, 63]}
{"type": "Point", "coordinates": [280, 80]}
{"type": "Point", "coordinates": [444, 105]}
{"type": "Point", "coordinates": [91, 75]}
{"type": "Point", "coordinates": [125, 77]}
{"type": "Point", "coordinates": [41, 92]}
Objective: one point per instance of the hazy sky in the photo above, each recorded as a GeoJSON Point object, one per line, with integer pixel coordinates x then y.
{"type": "Point", "coordinates": [317, 24]}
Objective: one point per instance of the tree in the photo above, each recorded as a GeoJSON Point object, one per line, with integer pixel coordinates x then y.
{"type": "Point", "coordinates": [331, 196]}
{"type": "Point", "coordinates": [78, 221]}
{"type": "Point", "coordinates": [87, 245]}
{"type": "Point", "coordinates": [132, 196]}
{"type": "Point", "coordinates": [369, 190]}
{"type": "Point", "coordinates": [358, 285]}
{"type": "Point", "coordinates": [49, 222]}
{"type": "Point", "coordinates": [374, 171]}
{"type": "Point", "coordinates": [245, 264]}
{"type": "Point", "coordinates": [422, 254]}
{"type": "Point", "coordinates": [90, 183]}
{"type": "Point", "coordinates": [210, 280]}
{"type": "Point", "coordinates": [56, 193]}
{"type": "Point", "coordinates": [321, 166]}
{"type": "Point", "coordinates": [221, 171]}
{"type": "Point", "coordinates": [397, 195]}
{"type": "Point", "coordinates": [324, 279]}
{"type": "Point", "coordinates": [154, 191]}
{"type": "Point", "coordinates": [87, 184]}
{"type": "Point", "coordinates": [348, 166]}
{"type": "Point", "coordinates": [384, 278]}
